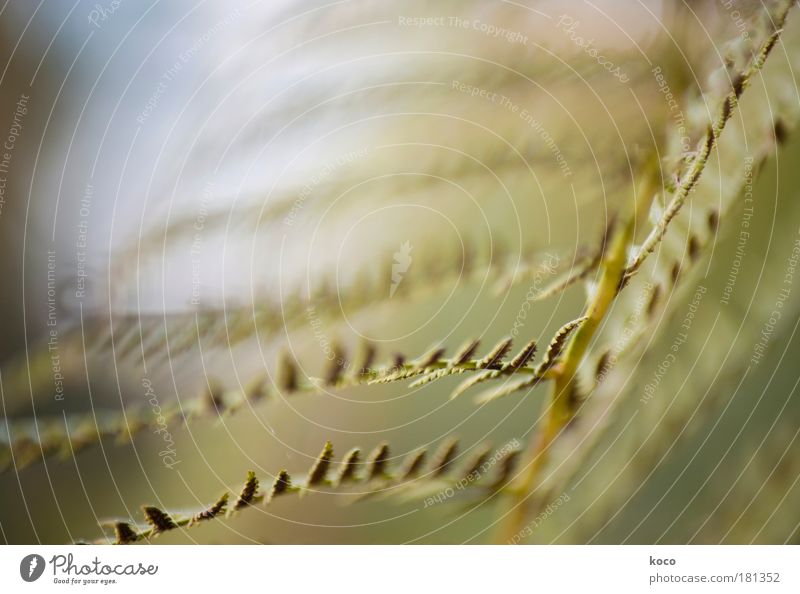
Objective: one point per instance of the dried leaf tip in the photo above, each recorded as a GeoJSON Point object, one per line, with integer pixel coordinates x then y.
{"type": "Point", "coordinates": [213, 511]}
{"type": "Point", "coordinates": [655, 295]}
{"type": "Point", "coordinates": [712, 220]}
{"type": "Point", "coordinates": [431, 357]}
{"type": "Point", "coordinates": [319, 471]}
{"type": "Point", "coordinates": [444, 457]}
{"type": "Point", "coordinates": [475, 466]}
{"type": "Point", "coordinates": [347, 471]}
{"type": "Point", "coordinates": [493, 359]}
{"type": "Point", "coordinates": [507, 465]}
{"type": "Point", "coordinates": [526, 354]}
{"type": "Point", "coordinates": [602, 366]}
{"type": "Point", "coordinates": [738, 84]}
{"type": "Point", "coordinates": [377, 461]}
{"type": "Point", "coordinates": [413, 464]}
{"type": "Point", "coordinates": [398, 361]}
{"type": "Point", "coordinates": [125, 533]}
{"type": "Point", "coordinates": [465, 352]}
{"type": "Point", "coordinates": [366, 358]}
{"type": "Point", "coordinates": [432, 376]}
{"type": "Point", "coordinates": [507, 389]}
{"type": "Point", "coordinates": [287, 373]}
{"type": "Point", "coordinates": [213, 396]}
{"type": "Point", "coordinates": [257, 389]}
{"type": "Point", "coordinates": [779, 131]}
{"type": "Point", "coordinates": [282, 484]}
{"type": "Point", "coordinates": [337, 366]}
{"type": "Point", "coordinates": [769, 44]}
{"type": "Point", "coordinates": [675, 273]}
{"type": "Point", "coordinates": [158, 519]}
{"type": "Point", "coordinates": [693, 248]}
{"type": "Point", "coordinates": [575, 398]}
{"type": "Point", "coordinates": [476, 379]}
{"type": "Point", "coordinates": [557, 344]}
{"type": "Point", "coordinates": [248, 492]}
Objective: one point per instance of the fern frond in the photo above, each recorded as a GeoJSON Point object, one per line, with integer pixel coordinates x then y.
{"type": "Point", "coordinates": [33, 439]}
{"type": "Point", "coordinates": [706, 145]}
{"type": "Point", "coordinates": [143, 335]}
{"type": "Point", "coordinates": [617, 269]}
{"type": "Point", "coordinates": [550, 358]}
{"type": "Point", "coordinates": [490, 366]}
{"type": "Point", "coordinates": [378, 472]}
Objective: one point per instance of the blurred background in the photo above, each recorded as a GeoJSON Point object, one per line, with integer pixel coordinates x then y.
{"type": "Point", "coordinates": [191, 190]}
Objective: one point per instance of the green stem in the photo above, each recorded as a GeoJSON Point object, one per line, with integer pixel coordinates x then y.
{"type": "Point", "coordinates": [612, 272]}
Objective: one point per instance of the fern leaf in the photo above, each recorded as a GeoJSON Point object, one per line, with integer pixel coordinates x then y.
{"type": "Point", "coordinates": [707, 143]}
{"type": "Point", "coordinates": [407, 478]}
